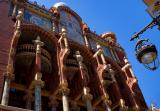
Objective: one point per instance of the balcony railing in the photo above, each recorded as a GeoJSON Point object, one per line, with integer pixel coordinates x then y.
{"type": "Point", "coordinates": [26, 52]}
{"type": "Point", "coordinates": [31, 48]}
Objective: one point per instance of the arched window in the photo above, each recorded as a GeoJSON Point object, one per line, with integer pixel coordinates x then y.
{"type": "Point", "coordinates": [107, 52]}
{"type": "Point", "coordinates": [93, 44]}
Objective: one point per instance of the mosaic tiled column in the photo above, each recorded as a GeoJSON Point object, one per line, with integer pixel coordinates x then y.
{"type": "Point", "coordinates": [6, 90]}
{"type": "Point", "coordinates": [87, 97]}
{"type": "Point", "coordinates": [38, 83]}
{"type": "Point", "coordinates": [65, 91]}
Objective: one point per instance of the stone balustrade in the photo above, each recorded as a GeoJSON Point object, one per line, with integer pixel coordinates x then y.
{"type": "Point", "coordinates": [31, 48]}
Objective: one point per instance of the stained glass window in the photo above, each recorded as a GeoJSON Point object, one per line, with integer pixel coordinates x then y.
{"type": "Point", "coordinates": [37, 20]}
{"type": "Point", "coordinates": [93, 44]}
{"type": "Point", "coordinates": [72, 25]}
{"type": "Point", "coordinates": [107, 52]}
{"type": "Point", "coordinates": [113, 55]}
{"type": "Point", "coordinates": [116, 56]}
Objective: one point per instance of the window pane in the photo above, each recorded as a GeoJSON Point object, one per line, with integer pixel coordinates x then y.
{"type": "Point", "coordinates": [37, 20]}
{"type": "Point", "coordinates": [72, 25]}
{"type": "Point", "coordinates": [107, 51]}
{"type": "Point", "coordinates": [93, 44]}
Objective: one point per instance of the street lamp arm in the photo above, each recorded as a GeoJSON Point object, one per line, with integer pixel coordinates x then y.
{"type": "Point", "coordinates": [150, 25]}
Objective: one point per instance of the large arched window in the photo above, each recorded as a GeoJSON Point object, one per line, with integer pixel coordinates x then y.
{"type": "Point", "coordinates": [107, 52]}
{"type": "Point", "coordinates": [72, 25]}
{"type": "Point", "coordinates": [93, 44]}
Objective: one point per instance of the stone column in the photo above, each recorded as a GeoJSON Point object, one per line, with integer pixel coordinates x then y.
{"type": "Point", "coordinates": [6, 90]}
{"type": "Point", "coordinates": [86, 41]}
{"type": "Point", "coordinates": [64, 91]}
{"type": "Point", "coordinates": [101, 54]}
{"type": "Point", "coordinates": [9, 76]}
{"type": "Point", "coordinates": [87, 97]}
{"type": "Point", "coordinates": [37, 83]}
{"type": "Point", "coordinates": [129, 66]}
{"type": "Point", "coordinates": [123, 107]}
{"type": "Point", "coordinates": [64, 36]}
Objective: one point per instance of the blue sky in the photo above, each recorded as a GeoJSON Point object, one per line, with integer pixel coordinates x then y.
{"type": "Point", "coordinates": [123, 17]}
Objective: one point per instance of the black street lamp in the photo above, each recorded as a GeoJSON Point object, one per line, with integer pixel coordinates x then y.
{"type": "Point", "coordinates": [146, 52]}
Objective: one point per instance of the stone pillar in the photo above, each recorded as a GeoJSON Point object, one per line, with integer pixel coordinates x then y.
{"type": "Point", "coordinates": [9, 76]}
{"type": "Point", "coordinates": [53, 103]}
{"type": "Point", "coordinates": [64, 36]}
{"type": "Point", "coordinates": [63, 39]}
{"type": "Point", "coordinates": [117, 91]}
{"type": "Point", "coordinates": [5, 96]}
{"type": "Point", "coordinates": [101, 54]}
{"type": "Point", "coordinates": [6, 90]}
{"type": "Point", "coordinates": [129, 66]}
{"type": "Point", "coordinates": [87, 97]}
{"type": "Point", "coordinates": [64, 91]}
{"type": "Point", "coordinates": [86, 41]}
{"type": "Point", "coordinates": [29, 99]}
{"type": "Point", "coordinates": [37, 83]}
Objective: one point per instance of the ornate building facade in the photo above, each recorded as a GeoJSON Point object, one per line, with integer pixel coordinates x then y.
{"type": "Point", "coordinates": [50, 60]}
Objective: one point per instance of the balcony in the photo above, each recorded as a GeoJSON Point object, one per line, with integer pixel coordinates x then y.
{"type": "Point", "coordinates": [25, 56]}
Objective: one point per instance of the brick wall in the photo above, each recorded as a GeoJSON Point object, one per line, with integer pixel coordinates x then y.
{"type": "Point", "coordinates": [6, 32]}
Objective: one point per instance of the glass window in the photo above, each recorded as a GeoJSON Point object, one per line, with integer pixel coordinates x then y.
{"type": "Point", "coordinates": [93, 44]}
{"type": "Point", "coordinates": [37, 20]}
{"type": "Point", "coordinates": [116, 56]}
{"type": "Point", "coordinates": [72, 25]}
{"type": "Point", "coordinates": [113, 55]}
{"type": "Point", "coordinates": [107, 52]}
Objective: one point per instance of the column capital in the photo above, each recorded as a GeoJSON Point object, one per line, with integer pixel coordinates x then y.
{"type": "Point", "coordinates": [38, 43]}
{"type": "Point", "coordinates": [123, 107]}
{"type": "Point", "coordinates": [79, 59]}
{"type": "Point", "coordinates": [20, 15]}
{"type": "Point", "coordinates": [106, 100]}
{"type": "Point", "coordinates": [86, 95]}
{"type": "Point", "coordinates": [9, 73]}
{"type": "Point", "coordinates": [37, 81]}
{"type": "Point", "coordinates": [64, 88]}
{"type": "Point", "coordinates": [64, 32]}
{"type": "Point", "coordinates": [12, 51]}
